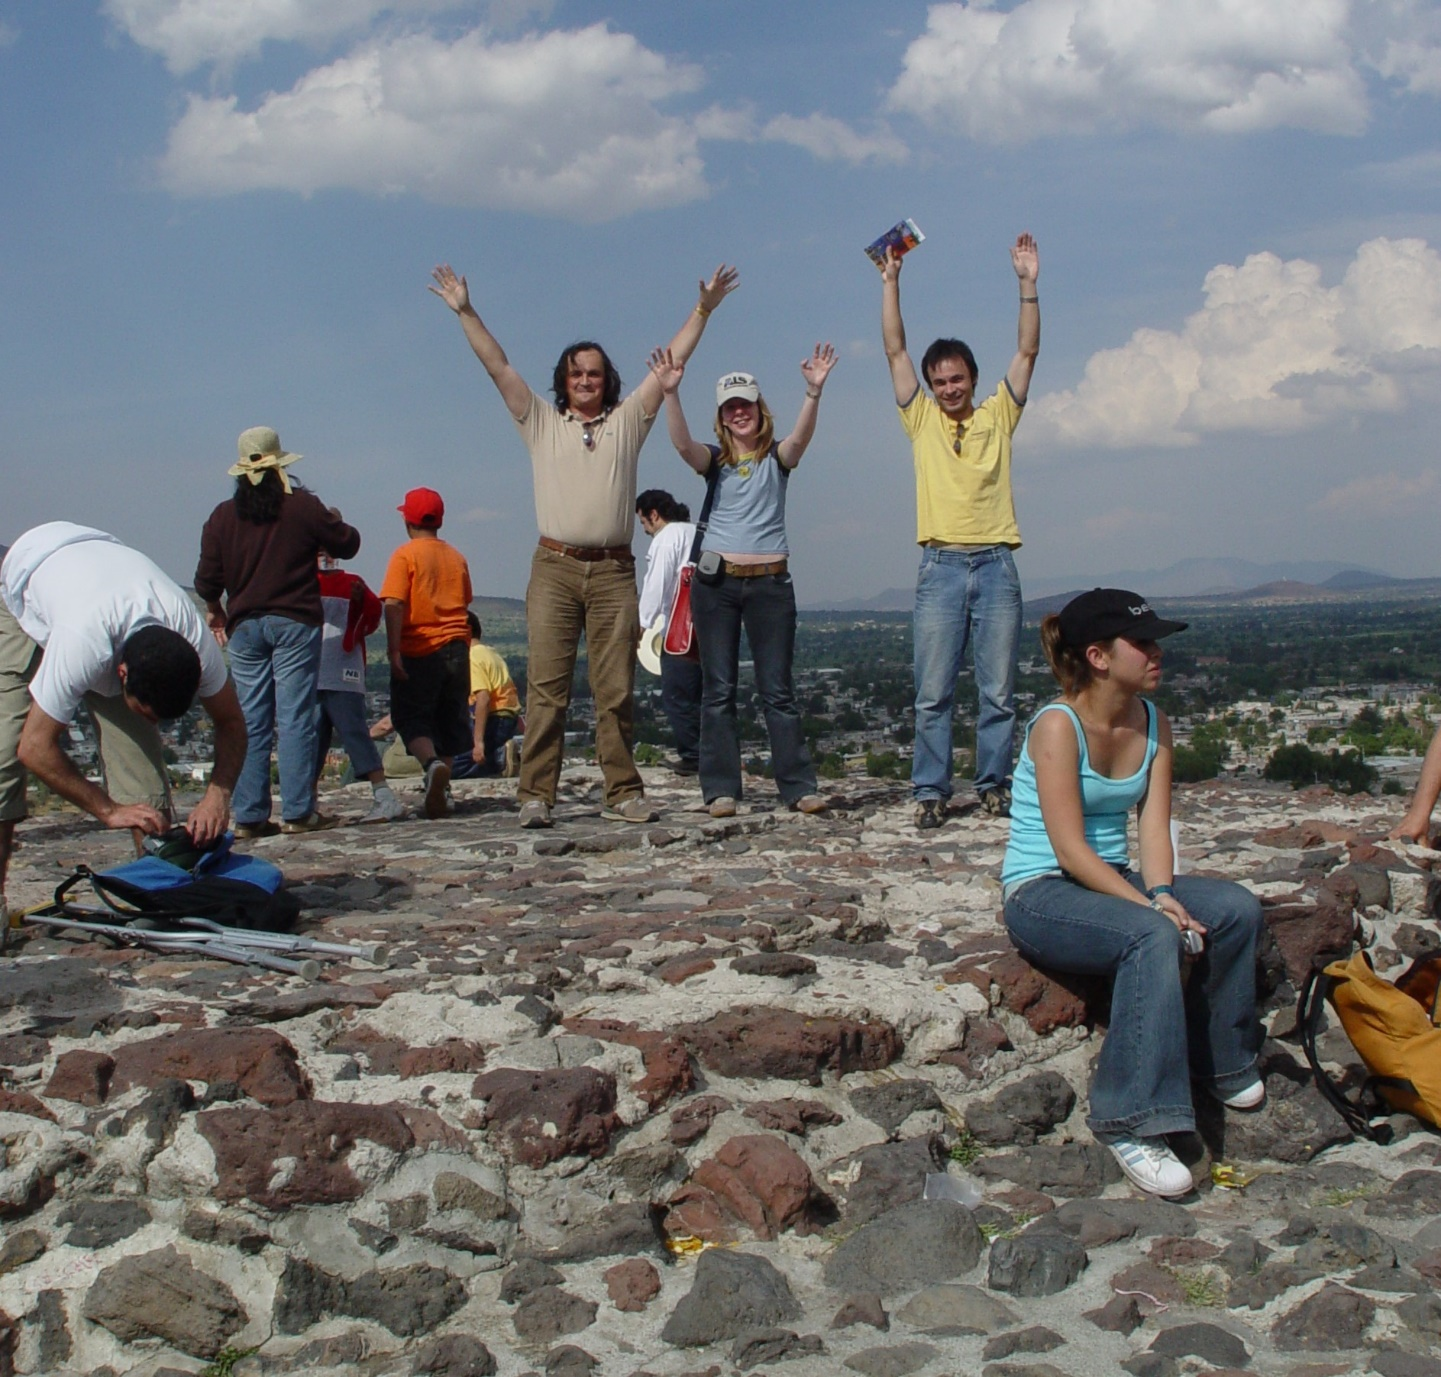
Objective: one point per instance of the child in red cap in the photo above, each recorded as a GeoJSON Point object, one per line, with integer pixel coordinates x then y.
{"type": "Point", "coordinates": [427, 594]}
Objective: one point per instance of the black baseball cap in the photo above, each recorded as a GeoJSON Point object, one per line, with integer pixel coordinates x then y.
{"type": "Point", "coordinates": [1105, 613]}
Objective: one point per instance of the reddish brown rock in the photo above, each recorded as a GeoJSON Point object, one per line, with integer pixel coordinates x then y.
{"type": "Point", "coordinates": [632, 1284]}
{"type": "Point", "coordinates": [391, 1057]}
{"type": "Point", "coordinates": [679, 969]}
{"type": "Point", "coordinates": [1304, 835]}
{"type": "Point", "coordinates": [792, 1116]}
{"type": "Point", "coordinates": [693, 1212]}
{"type": "Point", "coordinates": [783, 1045]}
{"type": "Point", "coordinates": [21, 1102]}
{"type": "Point", "coordinates": [429, 1130]}
{"type": "Point", "coordinates": [296, 1154]}
{"type": "Point", "coordinates": [1153, 1286]}
{"type": "Point", "coordinates": [547, 1115]}
{"type": "Point", "coordinates": [261, 1062]}
{"type": "Point", "coordinates": [765, 1184]}
{"type": "Point", "coordinates": [1047, 1000]}
{"type": "Point", "coordinates": [668, 1070]}
{"type": "Point", "coordinates": [81, 1077]}
{"type": "Point", "coordinates": [691, 1122]}
{"type": "Point", "coordinates": [1302, 930]}
{"type": "Point", "coordinates": [1182, 1252]}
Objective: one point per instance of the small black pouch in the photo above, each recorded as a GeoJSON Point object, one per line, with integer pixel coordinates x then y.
{"type": "Point", "coordinates": [710, 568]}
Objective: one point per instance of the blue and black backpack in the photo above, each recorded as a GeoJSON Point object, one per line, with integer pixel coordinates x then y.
{"type": "Point", "coordinates": [175, 880]}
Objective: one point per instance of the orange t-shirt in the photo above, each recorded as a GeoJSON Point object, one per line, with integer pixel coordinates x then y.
{"type": "Point", "coordinates": [432, 579]}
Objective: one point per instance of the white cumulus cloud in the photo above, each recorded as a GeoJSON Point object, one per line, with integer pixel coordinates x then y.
{"type": "Point", "coordinates": [833, 140]}
{"type": "Point", "coordinates": [1071, 66]}
{"type": "Point", "coordinates": [566, 122]}
{"type": "Point", "coordinates": [1272, 350]}
{"type": "Point", "coordinates": [194, 33]}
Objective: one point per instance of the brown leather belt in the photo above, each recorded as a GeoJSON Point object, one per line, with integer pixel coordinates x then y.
{"type": "Point", "coordinates": [588, 554]}
{"type": "Point", "coordinates": [755, 571]}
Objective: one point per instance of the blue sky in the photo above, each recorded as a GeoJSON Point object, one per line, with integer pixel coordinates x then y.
{"type": "Point", "coordinates": [222, 213]}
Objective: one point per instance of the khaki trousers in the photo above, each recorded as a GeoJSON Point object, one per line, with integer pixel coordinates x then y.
{"type": "Point", "coordinates": [568, 598]}
{"type": "Point", "coordinates": [130, 747]}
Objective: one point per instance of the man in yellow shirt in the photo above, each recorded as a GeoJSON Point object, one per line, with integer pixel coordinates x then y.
{"type": "Point", "coordinates": [967, 590]}
{"type": "Point", "coordinates": [495, 707]}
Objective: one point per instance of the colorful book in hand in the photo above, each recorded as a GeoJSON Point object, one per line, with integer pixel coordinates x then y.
{"type": "Point", "coordinates": [902, 238]}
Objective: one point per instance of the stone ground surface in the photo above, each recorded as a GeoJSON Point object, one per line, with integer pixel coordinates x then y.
{"type": "Point", "coordinates": [687, 1098]}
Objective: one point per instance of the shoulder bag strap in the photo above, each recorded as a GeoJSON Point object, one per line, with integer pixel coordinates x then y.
{"type": "Point", "coordinates": [712, 482]}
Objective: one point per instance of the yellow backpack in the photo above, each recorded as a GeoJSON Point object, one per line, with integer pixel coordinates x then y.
{"type": "Point", "coordinates": [1396, 1028]}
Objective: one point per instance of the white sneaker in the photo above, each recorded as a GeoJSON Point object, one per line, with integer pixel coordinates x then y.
{"type": "Point", "coordinates": [385, 809]}
{"type": "Point", "coordinates": [1151, 1165]}
{"type": "Point", "coordinates": [1251, 1096]}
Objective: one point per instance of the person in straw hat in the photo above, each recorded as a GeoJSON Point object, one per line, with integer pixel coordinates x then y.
{"type": "Point", "coordinates": [257, 552]}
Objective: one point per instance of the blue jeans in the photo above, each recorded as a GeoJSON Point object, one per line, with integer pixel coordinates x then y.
{"type": "Point", "coordinates": [499, 728]}
{"type": "Point", "coordinates": [680, 697]}
{"type": "Point", "coordinates": [767, 608]}
{"type": "Point", "coordinates": [274, 662]}
{"type": "Point", "coordinates": [1163, 1033]}
{"type": "Point", "coordinates": [965, 597]}
{"type": "Point", "coordinates": [342, 711]}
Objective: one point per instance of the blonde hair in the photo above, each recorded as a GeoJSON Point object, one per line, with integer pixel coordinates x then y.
{"type": "Point", "coordinates": [765, 435]}
{"type": "Point", "coordinates": [1069, 665]}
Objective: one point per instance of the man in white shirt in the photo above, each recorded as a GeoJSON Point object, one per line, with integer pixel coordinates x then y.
{"type": "Point", "coordinates": [84, 618]}
{"type": "Point", "coordinates": [668, 524]}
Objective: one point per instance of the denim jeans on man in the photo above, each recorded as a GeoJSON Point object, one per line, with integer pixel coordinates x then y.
{"type": "Point", "coordinates": [965, 596]}
{"type": "Point", "coordinates": [680, 695]}
{"type": "Point", "coordinates": [1162, 1034]}
{"type": "Point", "coordinates": [499, 728]}
{"type": "Point", "coordinates": [766, 606]}
{"type": "Point", "coordinates": [274, 662]}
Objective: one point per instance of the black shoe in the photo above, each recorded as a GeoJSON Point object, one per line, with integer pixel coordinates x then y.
{"type": "Point", "coordinates": [686, 767]}
{"type": "Point", "coordinates": [930, 813]}
{"type": "Point", "coordinates": [997, 802]}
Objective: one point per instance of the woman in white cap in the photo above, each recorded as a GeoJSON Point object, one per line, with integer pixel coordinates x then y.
{"type": "Point", "coordinates": [744, 576]}
{"type": "Point", "coordinates": [1074, 903]}
{"type": "Point", "coordinates": [258, 552]}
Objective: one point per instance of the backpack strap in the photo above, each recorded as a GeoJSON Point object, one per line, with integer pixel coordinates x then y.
{"type": "Point", "coordinates": [1310, 1010]}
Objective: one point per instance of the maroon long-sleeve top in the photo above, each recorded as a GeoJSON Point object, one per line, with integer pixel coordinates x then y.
{"type": "Point", "coordinates": [269, 570]}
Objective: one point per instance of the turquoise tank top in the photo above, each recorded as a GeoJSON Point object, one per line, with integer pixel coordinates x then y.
{"type": "Point", "coordinates": [1105, 805]}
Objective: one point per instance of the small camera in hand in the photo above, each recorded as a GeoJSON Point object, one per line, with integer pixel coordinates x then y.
{"type": "Point", "coordinates": [1192, 942]}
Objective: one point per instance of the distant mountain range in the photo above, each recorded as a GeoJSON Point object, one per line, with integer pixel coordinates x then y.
{"type": "Point", "coordinates": [1225, 580]}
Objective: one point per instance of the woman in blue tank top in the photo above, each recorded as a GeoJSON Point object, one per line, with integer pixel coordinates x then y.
{"type": "Point", "coordinates": [750, 471]}
{"type": "Point", "coordinates": [1073, 902]}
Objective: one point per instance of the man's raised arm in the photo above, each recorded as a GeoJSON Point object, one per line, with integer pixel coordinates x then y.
{"type": "Point", "coordinates": [452, 290]}
{"type": "Point", "coordinates": [893, 332]}
{"type": "Point", "coordinates": [1027, 262]}
{"type": "Point", "coordinates": [724, 281]}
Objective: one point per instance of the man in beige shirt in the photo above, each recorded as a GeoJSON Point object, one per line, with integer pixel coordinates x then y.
{"type": "Point", "coordinates": [583, 450]}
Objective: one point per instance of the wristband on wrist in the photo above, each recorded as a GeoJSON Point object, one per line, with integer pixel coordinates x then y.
{"type": "Point", "coordinates": [1156, 890]}
{"type": "Point", "coordinates": [814, 393]}
{"type": "Point", "coordinates": [702, 312]}
{"type": "Point", "coordinates": [1033, 300]}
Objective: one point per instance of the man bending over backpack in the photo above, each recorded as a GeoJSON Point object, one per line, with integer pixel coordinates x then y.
{"type": "Point", "coordinates": [85, 618]}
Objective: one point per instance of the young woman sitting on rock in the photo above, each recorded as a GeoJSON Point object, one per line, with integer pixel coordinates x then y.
{"type": "Point", "coordinates": [1073, 902]}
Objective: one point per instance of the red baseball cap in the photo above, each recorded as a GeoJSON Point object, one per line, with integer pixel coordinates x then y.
{"type": "Point", "coordinates": [422, 507]}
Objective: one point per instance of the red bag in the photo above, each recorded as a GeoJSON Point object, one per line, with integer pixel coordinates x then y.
{"type": "Point", "coordinates": [679, 629]}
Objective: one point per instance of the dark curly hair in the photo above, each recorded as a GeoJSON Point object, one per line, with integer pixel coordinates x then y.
{"type": "Point", "coordinates": [611, 398]}
{"type": "Point", "coordinates": [162, 670]}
